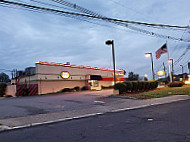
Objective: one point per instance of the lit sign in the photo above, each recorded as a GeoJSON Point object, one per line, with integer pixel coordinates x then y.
{"type": "Point", "coordinates": [65, 74]}
{"type": "Point", "coordinates": [160, 73]}
{"type": "Point", "coordinates": [118, 74]}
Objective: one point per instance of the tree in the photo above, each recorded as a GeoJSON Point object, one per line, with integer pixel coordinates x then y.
{"type": "Point", "coordinates": [132, 76]}
{"type": "Point", "coordinates": [4, 77]}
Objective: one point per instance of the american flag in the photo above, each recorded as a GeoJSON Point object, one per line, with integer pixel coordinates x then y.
{"type": "Point", "coordinates": [161, 51]}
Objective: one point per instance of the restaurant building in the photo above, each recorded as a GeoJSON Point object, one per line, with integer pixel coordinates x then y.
{"type": "Point", "coordinates": [48, 77]}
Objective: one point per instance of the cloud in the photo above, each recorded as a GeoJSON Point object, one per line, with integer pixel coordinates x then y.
{"type": "Point", "coordinates": [27, 37]}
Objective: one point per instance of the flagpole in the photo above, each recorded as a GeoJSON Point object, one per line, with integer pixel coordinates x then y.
{"type": "Point", "coordinates": [170, 74]}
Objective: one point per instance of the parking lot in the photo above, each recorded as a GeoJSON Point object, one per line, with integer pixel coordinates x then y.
{"type": "Point", "coordinates": [31, 105]}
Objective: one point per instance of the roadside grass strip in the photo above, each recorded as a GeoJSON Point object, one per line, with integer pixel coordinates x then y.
{"type": "Point", "coordinates": [161, 92]}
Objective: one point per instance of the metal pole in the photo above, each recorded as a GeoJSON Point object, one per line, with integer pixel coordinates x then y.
{"type": "Point", "coordinates": [164, 69]}
{"type": "Point", "coordinates": [182, 68]}
{"type": "Point", "coordinates": [113, 53]}
{"type": "Point", "coordinates": [153, 75]}
{"type": "Point", "coordinates": [170, 75]}
{"type": "Point", "coordinates": [16, 82]}
{"type": "Point", "coordinates": [182, 72]}
{"type": "Point", "coordinates": [172, 66]}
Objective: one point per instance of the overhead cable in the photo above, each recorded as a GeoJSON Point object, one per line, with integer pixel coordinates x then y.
{"type": "Point", "coordinates": [123, 22]}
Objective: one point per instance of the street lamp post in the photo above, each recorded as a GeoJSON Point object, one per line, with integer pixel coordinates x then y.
{"type": "Point", "coordinates": [111, 42]}
{"type": "Point", "coordinates": [182, 68]}
{"type": "Point", "coordinates": [172, 60]}
{"type": "Point", "coordinates": [150, 55]}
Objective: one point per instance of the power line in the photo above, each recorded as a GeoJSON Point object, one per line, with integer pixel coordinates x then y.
{"type": "Point", "coordinates": [126, 21]}
{"type": "Point", "coordinates": [140, 13]}
{"type": "Point", "coordinates": [87, 11]}
{"type": "Point", "coordinates": [6, 70]}
{"type": "Point", "coordinates": [120, 22]}
{"type": "Point", "coordinates": [72, 16]}
{"type": "Point", "coordinates": [84, 10]}
{"type": "Point", "coordinates": [185, 64]}
{"type": "Point", "coordinates": [47, 4]}
{"type": "Point", "coordinates": [184, 53]}
{"type": "Point", "coordinates": [175, 48]}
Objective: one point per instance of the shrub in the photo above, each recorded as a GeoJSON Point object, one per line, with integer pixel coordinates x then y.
{"type": "Point", "coordinates": [66, 90]}
{"type": "Point", "coordinates": [84, 88]}
{"type": "Point", "coordinates": [140, 85]}
{"type": "Point", "coordinates": [135, 86]}
{"type": "Point", "coordinates": [143, 86]}
{"type": "Point", "coordinates": [147, 85]}
{"type": "Point", "coordinates": [151, 85]}
{"type": "Point", "coordinates": [121, 87]}
{"type": "Point", "coordinates": [77, 88]}
{"type": "Point", "coordinates": [8, 96]}
{"type": "Point", "coordinates": [155, 84]}
{"type": "Point", "coordinates": [129, 86]}
{"type": "Point", "coordinates": [3, 87]}
{"type": "Point", "coordinates": [175, 84]}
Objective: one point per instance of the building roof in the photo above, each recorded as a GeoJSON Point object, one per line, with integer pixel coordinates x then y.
{"type": "Point", "coordinates": [78, 66]}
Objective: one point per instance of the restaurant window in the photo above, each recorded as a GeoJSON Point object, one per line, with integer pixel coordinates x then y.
{"type": "Point", "coordinates": [93, 83]}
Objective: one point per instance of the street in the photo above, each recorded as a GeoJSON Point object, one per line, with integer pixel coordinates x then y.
{"type": "Point", "coordinates": [167, 122]}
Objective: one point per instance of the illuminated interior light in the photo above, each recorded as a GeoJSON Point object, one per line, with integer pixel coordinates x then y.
{"type": "Point", "coordinates": [66, 65]}
{"type": "Point", "coordinates": [187, 82]}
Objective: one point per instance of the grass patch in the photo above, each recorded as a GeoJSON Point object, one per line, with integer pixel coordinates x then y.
{"type": "Point", "coordinates": [161, 92]}
{"type": "Point", "coordinates": [1, 124]}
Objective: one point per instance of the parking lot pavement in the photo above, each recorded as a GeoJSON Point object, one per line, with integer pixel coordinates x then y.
{"type": "Point", "coordinates": [32, 105]}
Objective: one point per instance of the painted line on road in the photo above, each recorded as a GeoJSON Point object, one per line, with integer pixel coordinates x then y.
{"type": "Point", "coordinates": [87, 115]}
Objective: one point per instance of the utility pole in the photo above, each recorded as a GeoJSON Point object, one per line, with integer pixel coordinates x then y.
{"type": "Point", "coordinates": [164, 69]}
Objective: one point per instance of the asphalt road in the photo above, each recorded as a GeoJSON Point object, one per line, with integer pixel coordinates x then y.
{"type": "Point", "coordinates": [31, 105]}
{"type": "Point", "coordinates": [161, 123]}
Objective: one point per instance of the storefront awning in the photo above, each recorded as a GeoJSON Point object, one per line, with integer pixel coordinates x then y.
{"type": "Point", "coordinates": [95, 77]}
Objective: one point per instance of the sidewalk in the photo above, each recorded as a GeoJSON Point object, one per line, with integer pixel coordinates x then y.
{"type": "Point", "coordinates": [128, 104]}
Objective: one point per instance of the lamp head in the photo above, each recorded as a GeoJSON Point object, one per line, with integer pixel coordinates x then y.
{"type": "Point", "coordinates": [147, 54]}
{"type": "Point", "coordinates": [109, 42]}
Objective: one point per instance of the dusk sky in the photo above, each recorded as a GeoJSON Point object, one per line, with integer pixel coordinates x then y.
{"type": "Point", "coordinates": [27, 37]}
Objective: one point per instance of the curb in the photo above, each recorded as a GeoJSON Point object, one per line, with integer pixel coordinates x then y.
{"type": "Point", "coordinates": [125, 97]}
{"type": "Point", "coordinates": [4, 128]}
